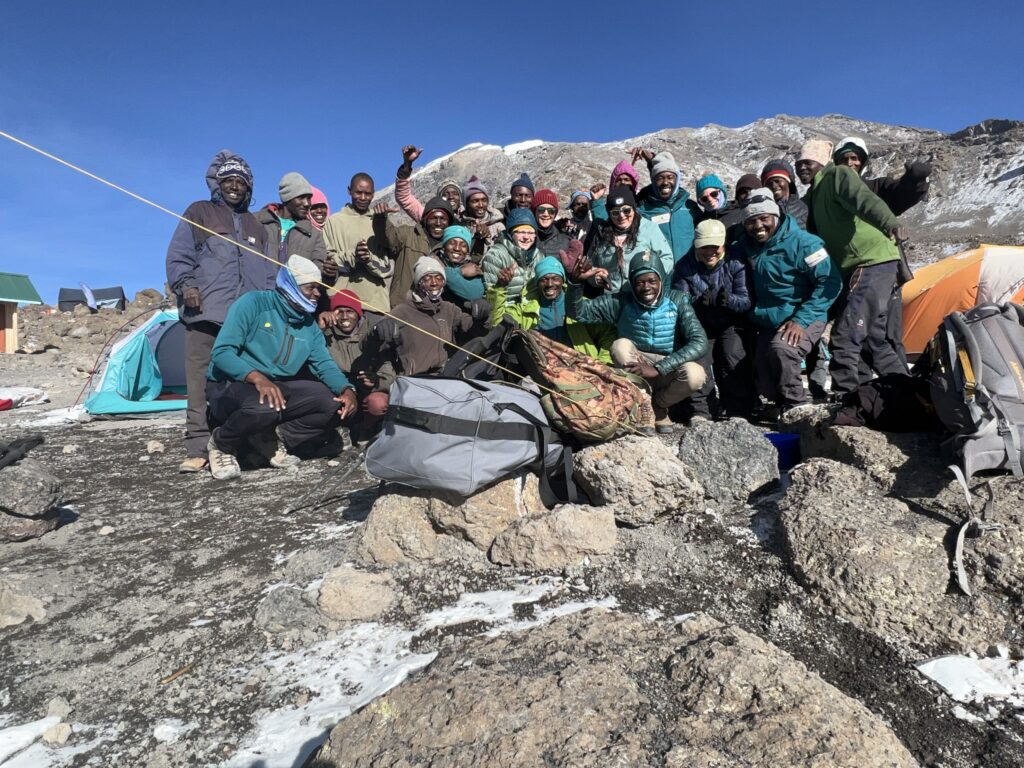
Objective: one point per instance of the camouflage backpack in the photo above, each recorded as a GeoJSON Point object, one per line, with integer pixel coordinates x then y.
{"type": "Point", "coordinates": [594, 402]}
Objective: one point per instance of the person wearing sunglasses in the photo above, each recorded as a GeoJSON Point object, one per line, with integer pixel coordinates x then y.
{"type": "Point", "coordinates": [861, 233]}
{"type": "Point", "coordinates": [550, 239]}
{"type": "Point", "coordinates": [711, 194]}
{"type": "Point", "coordinates": [660, 338]}
{"type": "Point", "coordinates": [779, 177]}
{"type": "Point", "coordinates": [613, 243]}
{"type": "Point", "coordinates": [795, 282]}
{"type": "Point", "coordinates": [623, 175]}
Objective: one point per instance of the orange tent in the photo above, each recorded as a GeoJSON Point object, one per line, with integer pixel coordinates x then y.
{"type": "Point", "coordinates": [983, 275]}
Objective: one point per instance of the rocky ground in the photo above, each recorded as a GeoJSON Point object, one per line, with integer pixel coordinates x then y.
{"type": "Point", "coordinates": [699, 613]}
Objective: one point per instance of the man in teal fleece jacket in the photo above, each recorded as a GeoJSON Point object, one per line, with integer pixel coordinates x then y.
{"type": "Point", "coordinates": [795, 282]}
{"type": "Point", "coordinates": [254, 381]}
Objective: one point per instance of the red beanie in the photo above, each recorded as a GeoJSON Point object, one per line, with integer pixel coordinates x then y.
{"type": "Point", "coordinates": [346, 298]}
{"type": "Point", "coordinates": [544, 197]}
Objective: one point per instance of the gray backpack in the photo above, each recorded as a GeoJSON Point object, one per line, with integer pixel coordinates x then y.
{"type": "Point", "coordinates": [977, 387]}
{"type": "Point", "coordinates": [461, 435]}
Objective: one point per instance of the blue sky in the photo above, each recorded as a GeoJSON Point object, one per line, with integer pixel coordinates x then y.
{"type": "Point", "coordinates": [146, 95]}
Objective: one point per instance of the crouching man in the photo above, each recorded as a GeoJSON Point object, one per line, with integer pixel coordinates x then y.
{"type": "Point", "coordinates": [660, 338]}
{"type": "Point", "coordinates": [254, 382]}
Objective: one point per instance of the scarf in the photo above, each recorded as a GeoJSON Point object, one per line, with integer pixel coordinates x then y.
{"type": "Point", "coordinates": [288, 288]}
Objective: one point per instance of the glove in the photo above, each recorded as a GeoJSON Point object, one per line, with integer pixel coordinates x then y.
{"type": "Point", "coordinates": [478, 308]}
{"type": "Point", "coordinates": [918, 170]}
{"type": "Point", "coordinates": [570, 258]}
{"type": "Point", "coordinates": [387, 331]}
{"type": "Point", "coordinates": [707, 298]}
{"type": "Point", "coordinates": [190, 298]}
{"type": "Point", "coordinates": [722, 299]}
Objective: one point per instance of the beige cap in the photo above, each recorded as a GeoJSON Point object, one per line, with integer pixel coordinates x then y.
{"type": "Point", "coordinates": [818, 150]}
{"type": "Point", "coordinates": [709, 232]}
{"type": "Point", "coordinates": [303, 270]}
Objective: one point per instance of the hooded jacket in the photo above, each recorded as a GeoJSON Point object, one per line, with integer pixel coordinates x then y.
{"type": "Point", "coordinates": [792, 274]}
{"type": "Point", "coordinates": [675, 216]}
{"type": "Point", "coordinates": [222, 269]}
{"type": "Point", "coordinates": [264, 332]}
{"type": "Point", "coordinates": [670, 324]}
{"type": "Point", "coordinates": [552, 240]}
{"type": "Point", "coordinates": [649, 238]}
{"type": "Point", "coordinates": [303, 239]}
{"type": "Point", "coordinates": [505, 253]}
{"type": "Point", "coordinates": [851, 219]}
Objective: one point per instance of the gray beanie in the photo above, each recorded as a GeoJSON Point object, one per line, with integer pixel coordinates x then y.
{"type": "Point", "coordinates": [662, 162]}
{"type": "Point", "coordinates": [759, 202]}
{"type": "Point", "coordinates": [293, 185]}
{"type": "Point", "coordinates": [425, 266]}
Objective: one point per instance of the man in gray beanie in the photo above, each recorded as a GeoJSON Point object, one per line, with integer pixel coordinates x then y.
{"type": "Point", "coordinates": [400, 339]}
{"type": "Point", "coordinates": [289, 230]}
{"type": "Point", "coordinates": [795, 282]}
{"type": "Point", "coordinates": [666, 203]}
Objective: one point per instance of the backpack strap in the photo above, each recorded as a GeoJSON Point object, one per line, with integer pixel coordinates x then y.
{"type": "Point", "coordinates": [972, 526]}
{"type": "Point", "coordinates": [543, 431]}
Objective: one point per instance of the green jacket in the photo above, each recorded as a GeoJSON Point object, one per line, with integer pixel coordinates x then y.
{"type": "Point", "coordinates": [264, 333]}
{"type": "Point", "coordinates": [851, 219]}
{"type": "Point", "coordinates": [792, 275]}
{"type": "Point", "coordinates": [593, 340]}
{"type": "Point", "coordinates": [505, 253]}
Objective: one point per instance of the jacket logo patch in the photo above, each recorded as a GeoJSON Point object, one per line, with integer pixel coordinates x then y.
{"type": "Point", "coordinates": [267, 325]}
{"type": "Point", "coordinates": [816, 258]}
{"type": "Point", "coordinates": [662, 218]}
{"type": "Point", "coordinates": [252, 240]}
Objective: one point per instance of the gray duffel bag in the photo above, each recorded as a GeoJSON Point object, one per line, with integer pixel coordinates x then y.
{"type": "Point", "coordinates": [461, 435]}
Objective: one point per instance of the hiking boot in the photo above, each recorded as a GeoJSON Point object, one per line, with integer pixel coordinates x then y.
{"type": "Point", "coordinates": [223, 466]}
{"type": "Point", "coordinates": [192, 464]}
{"type": "Point", "coordinates": [281, 458]}
{"type": "Point", "coordinates": [662, 423]}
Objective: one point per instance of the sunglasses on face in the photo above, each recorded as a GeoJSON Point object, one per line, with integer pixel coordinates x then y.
{"type": "Point", "coordinates": [711, 194]}
{"type": "Point", "coordinates": [625, 210]}
{"type": "Point", "coordinates": [758, 199]}
{"type": "Point", "coordinates": [546, 209]}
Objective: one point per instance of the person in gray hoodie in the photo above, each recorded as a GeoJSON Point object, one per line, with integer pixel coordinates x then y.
{"type": "Point", "coordinates": [208, 272]}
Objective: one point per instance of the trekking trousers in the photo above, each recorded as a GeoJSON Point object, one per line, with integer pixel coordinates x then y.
{"type": "Point", "coordinates": [860, 327]}
{"type": "Point", "coordinates": [668, 389]}
{"type": "Point", "coordinates": [199, 338]}
{"type": "Point", "coordinates": [728, 367]}
{"type": "Point", "coordinates": [309, 410]}
{"type": "Point", "coordinates": [778, 364]}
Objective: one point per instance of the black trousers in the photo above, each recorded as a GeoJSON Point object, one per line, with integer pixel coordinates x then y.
{"type": "Point", "coordinates": [729, 367]}
{"type": "Point", "coordinates": [860, 337]}
{"type": "Point", "coordinates": [309, 409]}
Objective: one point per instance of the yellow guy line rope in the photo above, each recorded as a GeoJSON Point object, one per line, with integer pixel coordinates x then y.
{"type": "Point", "coordinates": [262, 255]}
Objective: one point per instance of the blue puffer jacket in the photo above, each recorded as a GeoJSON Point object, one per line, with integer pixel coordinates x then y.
{"type": "Point", "coordinates": [218, 267]}
{"type": "Point", "coordinates": [675, 216]}
{"type": "Point", "coordinates": [706, 287]}
{"type": "Point", "coordinates": [645, 325]}
{"type": "Point", "coordinates": [793, 276]}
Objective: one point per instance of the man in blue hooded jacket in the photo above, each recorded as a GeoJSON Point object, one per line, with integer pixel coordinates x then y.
{"type": "Point", "coordinates": [795, 282]}
{"type": "Point", "coordinates": [207, 273]}
{"type": "Point", "coordinates": [660, 338]}
{"type": "Point", "coordinates": [255, 385]}
{"type": "Point", "coordinates": [667, 204]}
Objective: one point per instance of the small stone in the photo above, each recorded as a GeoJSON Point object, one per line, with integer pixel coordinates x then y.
{"type": "Point", "coordinates": [57, 734]}
{"type": "Point", "coordinates": [106, 530]}
{"type": "Point", "coordinates": [80, 332]}
{"type": "Point", "coordinates": [143, 458]}
{"type": "Point", "coordinates": [69, 449]}
{"type": "Point", "coordinates": [58, 706]}
{"type": "Point", "coordinates": [15, 608]}
{"type": "Point", "coordinates": [154, 446]}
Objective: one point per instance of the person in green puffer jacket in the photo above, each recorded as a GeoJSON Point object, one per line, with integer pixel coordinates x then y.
{"type": "Point", "coordinates": [543, 308]}
{"type": "Point", "coordinates": [660, 337]}
{"type": "Point", "coordinates": [860, 233]}
{"type": "Point", "coordinates": [516, 250]}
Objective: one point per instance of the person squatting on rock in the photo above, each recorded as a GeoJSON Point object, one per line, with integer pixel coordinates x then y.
{"type": "Point", "coordinates": [794, 283]}
{"type": "Point", "coordinates": [718, 285]}
{"type": "Point", "coordinates": [255, 381]}
{"type": "Point", "coordinates": [859, 231]}
{"type": "Point", "coordinates": [346, 329]}
{"type": "Point", "coordinates": [207, 273]}
{"type": "Point", "coordinates": [357, 246]}
{"type": "Point", "coordinates": [660, 337]}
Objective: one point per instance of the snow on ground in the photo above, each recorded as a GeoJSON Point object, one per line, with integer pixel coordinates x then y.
{"type": "Point", "coordinates": [995, 681]}
{"type": "Point", "coordinates": [346, 672]}
{"type": "Point", "coordinates": [17, 737]}
{"type": "Point", "coordinates": [52, 418]}
{"type": "Point", "coordinates": [41, 755]}
{"type": "Point", "coordinates": [511, 149]}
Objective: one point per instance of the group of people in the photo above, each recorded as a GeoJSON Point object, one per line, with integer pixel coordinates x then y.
{"type": "Point", "coordinates": [299, 320]}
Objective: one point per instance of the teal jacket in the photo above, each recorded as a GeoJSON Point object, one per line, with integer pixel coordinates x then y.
{"type": "Point", "coordinates": [649, 239]}
{"type": "Point", "coordinates": [690, 343]}
{"type": "Point", "coordinates": [264, 333]}
{"type": "Point", "coordinates": [853, 221]}
{"type": "Point", "coordinates": [675, 217]}
{"type": "Point", "coordinates": [793, 276]}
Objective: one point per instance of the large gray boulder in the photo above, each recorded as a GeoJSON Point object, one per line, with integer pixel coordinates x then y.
{"type": "Point", "coordinates": [29, 489]}
{"type": "Point", "coordinates": [606, 689]}
{"type": "Point", "coordinates": [557, 539]}
{"type": "Point", "coordinates": [732, 458]}
{"type": "Point", "coordinates": [876, 563]}
{"type": "Point", "coordinates": [640, 478]}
